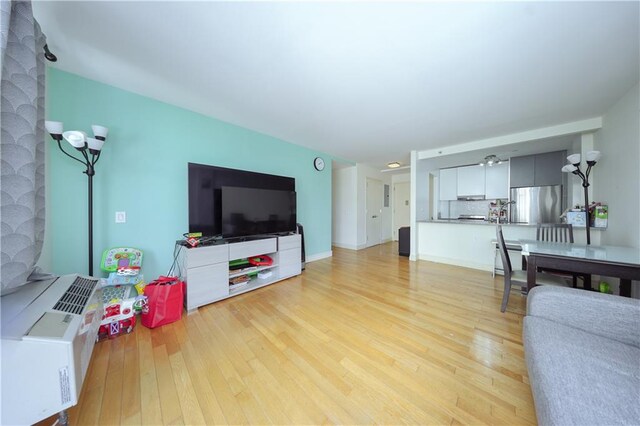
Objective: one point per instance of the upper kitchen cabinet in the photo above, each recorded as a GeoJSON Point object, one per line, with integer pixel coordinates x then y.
{"type": "Point", "coordinates": [497, 181]}
{"type": "Point", "coordinates": [470, 181]}
{"type": "Point", "coordinates": [549, 168]}
{"type": "Point", "coordinates": [522, 171]}
{"type": "Point", "coordinates": [537, 170]}
{"type": "Point", "coordinates": [448, 184]}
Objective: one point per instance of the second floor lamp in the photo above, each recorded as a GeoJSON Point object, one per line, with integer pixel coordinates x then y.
{"type": "Point", "coordinates": [592, 158]}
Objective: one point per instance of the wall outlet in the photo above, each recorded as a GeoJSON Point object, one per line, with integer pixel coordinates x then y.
{"type": "Point", "coordinates": [121, 217]}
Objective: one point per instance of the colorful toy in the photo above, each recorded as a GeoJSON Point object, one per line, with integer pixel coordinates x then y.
{"type": "Point", "coordinates": [263, 260]}
{"type": "Point", "coordinates": [121, 291]}
{"type": "Point", "coordinates": [123, 265]}
{"type": "Point", "coordinates": [120, 305]}
{"type": "Point", "coordinates": [192, 238]}
{"type": "Point", "coordinates": [121, 257]}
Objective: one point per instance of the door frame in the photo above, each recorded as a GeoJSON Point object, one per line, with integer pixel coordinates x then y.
{"type": "Point", "coordinates": [394, 222]}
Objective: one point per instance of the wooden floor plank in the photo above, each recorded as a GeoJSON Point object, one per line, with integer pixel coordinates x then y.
{"type": "Point", "coordinates": [360, 338]}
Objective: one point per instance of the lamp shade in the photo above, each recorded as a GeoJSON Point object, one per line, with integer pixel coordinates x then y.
{"type": "Point", "coordinates": [54, 127]}
{"type": "Point", "coordinates": [593, 156]}
{"type": "Point", "coordinates": [574, 158]}
{"type": "Point", "coordinates": [99, 131]}
{"type": "Point", "coordinates": [75, 138]}
{"type": "Point", "coordinates": [95, 144]}
{"type": "Point", "coordinates": [569, 168]}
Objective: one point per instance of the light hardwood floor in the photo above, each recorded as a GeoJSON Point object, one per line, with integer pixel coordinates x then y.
{"type": "Point", "coordinates": [363, 337]}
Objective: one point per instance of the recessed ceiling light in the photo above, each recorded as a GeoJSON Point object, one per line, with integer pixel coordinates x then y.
{"type": "Point", "coordinates": [393, 165]}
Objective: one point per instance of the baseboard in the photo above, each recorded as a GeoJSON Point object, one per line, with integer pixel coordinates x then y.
{"type": "Point", "coordinates": [456, 262]}
{"type": "Point", "coordinates": [319, 256]}
{"type": "Point", "coordinates": [359, 246]}
{"type": "Point", "coordinates": [350, 246]}
{"type": "Point", "coordinates": [345, 246]}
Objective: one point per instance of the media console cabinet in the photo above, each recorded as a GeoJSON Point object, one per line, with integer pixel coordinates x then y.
{"type": "Point", "coordinates": [206, 269]}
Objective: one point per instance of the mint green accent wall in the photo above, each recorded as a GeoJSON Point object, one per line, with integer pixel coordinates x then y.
{"type": "Point", "coordinates": [143, 171]}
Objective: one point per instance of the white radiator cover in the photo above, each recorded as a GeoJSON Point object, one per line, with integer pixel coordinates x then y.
{"type": "Point", "coordinates": [46, 350]}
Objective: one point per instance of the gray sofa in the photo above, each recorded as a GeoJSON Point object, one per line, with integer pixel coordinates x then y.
{"type": "Point", "coordinates": [583, 355]}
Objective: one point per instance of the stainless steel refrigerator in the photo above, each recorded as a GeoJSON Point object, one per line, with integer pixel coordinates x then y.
{"type": "Point", "coordinates": [536, 204]}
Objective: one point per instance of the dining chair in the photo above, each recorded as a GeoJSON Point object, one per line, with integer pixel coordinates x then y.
{"type": "Point", "coordinates": [557, 233]}
{"type": "Point", "coordinates": [520, 277]}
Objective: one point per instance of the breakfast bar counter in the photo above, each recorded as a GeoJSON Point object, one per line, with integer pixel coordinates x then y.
{"type": "Point", "coordinates": [469, 243]}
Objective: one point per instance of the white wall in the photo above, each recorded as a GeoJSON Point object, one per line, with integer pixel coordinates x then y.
{"type": "Point", "coordinates": [344, 195]}
{"type": "Point", "coordinates": [397, 178]}
{"type": "Point", "coordinates": [617, 176]}
{"type": "Point", "coordinates": [350, 203]}
{"type": "Point", "coordinates": [575, 193]}
{"type": "Point", "coordinates": [422, 190]}
{"type": "Point", "coordinates": [364, 172]}
{"type": "Point", "coordinates": [617, 181]}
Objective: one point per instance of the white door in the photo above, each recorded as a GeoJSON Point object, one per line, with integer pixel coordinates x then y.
{"type": "Point", "coordinates": [401, 202]}
{"type": "Point", "coordinates": [374, 212]}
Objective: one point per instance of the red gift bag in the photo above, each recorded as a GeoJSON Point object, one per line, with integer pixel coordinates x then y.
{"type": "Point", "coordinates": [164, 302]}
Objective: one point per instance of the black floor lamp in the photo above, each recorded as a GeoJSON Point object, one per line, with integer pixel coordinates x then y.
{"type": "Point", "coordinates": [90, 149]}
{"type": "Point", "coordinates": [592, 158]}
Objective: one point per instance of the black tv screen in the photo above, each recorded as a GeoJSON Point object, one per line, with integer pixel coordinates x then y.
{"type": "Point", "coordinates": [205, 193]}
{"type": "Point", "coordinates": [253, 211]}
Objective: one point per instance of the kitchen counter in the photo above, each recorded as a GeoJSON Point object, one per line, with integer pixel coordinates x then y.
{"type": "Point", "coordinates": [445, 241]}
{"type": "Point", "coordinates": [486, 222]}
{"type": "Point", "coordinates": [472, 222]}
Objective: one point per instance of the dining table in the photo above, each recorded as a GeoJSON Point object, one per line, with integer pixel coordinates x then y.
{"type": "Point", "coordinates": [603, 260]}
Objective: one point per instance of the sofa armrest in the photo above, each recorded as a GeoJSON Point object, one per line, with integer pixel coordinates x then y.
{"type": "Point", "coordinates": [605, 315]}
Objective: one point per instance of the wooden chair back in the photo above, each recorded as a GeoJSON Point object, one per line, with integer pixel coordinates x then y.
{"type": "Point", "coordinates": [555, 232]}
{"type": "Point", "coordinates": [504, 255]}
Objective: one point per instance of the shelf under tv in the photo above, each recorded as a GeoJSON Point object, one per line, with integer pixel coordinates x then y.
{"type": "Point", "coordinates": [252, 271]}
{"type": "Point", "coordinates": [206, 269]}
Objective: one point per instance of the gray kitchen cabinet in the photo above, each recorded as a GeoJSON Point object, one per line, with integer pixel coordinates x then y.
{"type": "Point", "coordinates": [548, 169]}
{"type": "Point", "coordinates": [522, 171]}
{"type": "Point", "coordinates": [537, 170]}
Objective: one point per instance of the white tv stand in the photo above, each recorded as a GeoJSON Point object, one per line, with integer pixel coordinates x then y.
{"type": "Point", "coordinates": [206, 269]}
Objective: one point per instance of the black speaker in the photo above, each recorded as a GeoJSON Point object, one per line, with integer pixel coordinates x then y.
{"type": "Point", "coordinates": [300, 230]}
{"type": "Point", "coordinates": [404, 241]}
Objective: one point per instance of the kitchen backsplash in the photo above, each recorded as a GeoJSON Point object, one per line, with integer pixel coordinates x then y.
{"type": "Point", "coordinates": [455, 209]}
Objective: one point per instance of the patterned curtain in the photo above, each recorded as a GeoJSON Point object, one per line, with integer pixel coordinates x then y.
{"type": "Point", "coordinates": [22, 202]}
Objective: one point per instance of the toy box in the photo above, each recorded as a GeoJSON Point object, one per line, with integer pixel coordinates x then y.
{"type": "Point", "coordinates": [601, 216]}
{"type": "Point", "coordinates": [576, 218]}
{"type": "Point", "coordinates": [121, 302]}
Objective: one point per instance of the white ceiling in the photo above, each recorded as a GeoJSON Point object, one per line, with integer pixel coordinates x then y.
{"type": "Point", "coordinates": [366, 82]}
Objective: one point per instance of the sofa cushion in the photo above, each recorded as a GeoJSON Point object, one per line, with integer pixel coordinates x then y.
{"type": "Point", "coordinates": [579, 378]}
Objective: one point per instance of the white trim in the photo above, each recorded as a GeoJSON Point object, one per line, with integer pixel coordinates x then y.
{"type": "Point", "coordinates": [386, 240]}
{"type": "Point", "coordinates": [588, 125]}
{"type": "Point", "coordinates": [456, 262]}
{"type": "Point", "coordinates": [349, 246]}
{"type": "Point", "coordinates": [360, 246]}
{"type": "Point", "coordinates": [319, 256]}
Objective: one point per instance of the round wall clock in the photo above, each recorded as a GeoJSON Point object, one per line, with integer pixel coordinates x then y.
{"type": "Point", "coordinates": [318, 163]}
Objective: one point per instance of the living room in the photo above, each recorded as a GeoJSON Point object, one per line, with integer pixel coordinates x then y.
{"type": "Point", "coordinates": [362, 335]}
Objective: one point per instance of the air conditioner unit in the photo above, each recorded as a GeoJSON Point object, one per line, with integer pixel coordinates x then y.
{"type": "Point", "coordinates": [49, 330]}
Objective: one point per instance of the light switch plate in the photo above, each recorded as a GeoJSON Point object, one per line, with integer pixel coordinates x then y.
{"type": "Point", "coordinates": [121, 217]}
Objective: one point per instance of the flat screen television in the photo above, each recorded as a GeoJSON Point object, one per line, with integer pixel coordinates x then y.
{"type": "Point", "coordinates": [253, 211]}
{"type": "Point", "coordinates": [205, 193]}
